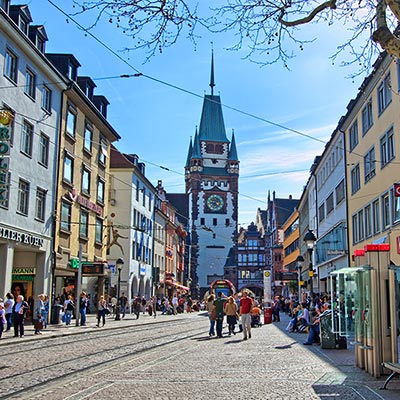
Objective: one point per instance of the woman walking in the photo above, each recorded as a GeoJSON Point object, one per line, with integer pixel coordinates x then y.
{"type": "Point", "coordinates": [101, 311]}
{"type": "Point", "coordinates": [231, 312]}
{"type": "Point", "coordinates": [211, 315]}
{"type": "Point", "coordinates": [8, 305]}
{"type": "Point", "coordinates": [19, 309]}
{"type": "Point", "coordinates": [38, 314]}
{"type": "Point", "coordinates": [68, 309]}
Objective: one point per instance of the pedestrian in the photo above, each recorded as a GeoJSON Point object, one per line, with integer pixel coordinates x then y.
{"type": "Point", "coordinates": [2, 318]}
{"type": "Point", "coordinates": [38, 314]}
{"type": "Point", "coordinates": [101, 311]}
{"type": "Point", "coordinates": [137, 304]}
{"type": "Point", "coordinates": [123, 301]}
{"type": "Point", "coordinates": [189, 305]}
{"type": "Point", "coordinates": [8, 304]}
{"type": "Point", "coordinates": [144, 305]}
{"type": "Point", "coordinates": [246, 304]}
{"type": "Point", "coordinates": [83, 305]}
{"type": "Point", "coordinates": [175, 303]}
{"type": "Point", "coordinates": [219, 312]}
{"type": "Point", "coordinates": [45, 315]}
{"type": "Point", "coordinates": [211, 315]}
{"type": "Point", "coordinates": [231, 312]}
{"type": "Point", "coordinates": [275, 309]}
{"type": "Point", "coordinates": [68, 309]}
{"type": "Point", "coordinates": [313, 335]}
{"type": "Point", "coordinates": [19, 309]}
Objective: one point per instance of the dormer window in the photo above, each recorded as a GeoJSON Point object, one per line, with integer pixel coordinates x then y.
{"type": "Point", "coordinates": [40, 44]}
{"type": "Point", "coordinates": [23, 25]}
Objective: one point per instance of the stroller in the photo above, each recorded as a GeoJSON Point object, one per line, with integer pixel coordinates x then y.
{"type": "Point", "coordinates": [256, 317]}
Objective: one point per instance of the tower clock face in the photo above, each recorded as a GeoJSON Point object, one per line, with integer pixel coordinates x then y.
{"type": "Point", "coordinates": [215, 202]}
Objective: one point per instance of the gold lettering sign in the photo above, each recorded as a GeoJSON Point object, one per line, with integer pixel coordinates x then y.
{"type": "Point", "coordinates": [24, 271]}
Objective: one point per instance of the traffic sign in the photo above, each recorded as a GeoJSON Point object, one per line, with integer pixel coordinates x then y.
{"type": "Point", "coordinates": [396, 189]}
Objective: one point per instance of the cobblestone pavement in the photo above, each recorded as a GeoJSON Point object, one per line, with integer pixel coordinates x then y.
{"type": "Point", "coordinates": [173, 357]}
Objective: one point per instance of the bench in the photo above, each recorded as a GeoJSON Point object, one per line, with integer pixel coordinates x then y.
{"type": "Point", "coordinates": [395, 368]}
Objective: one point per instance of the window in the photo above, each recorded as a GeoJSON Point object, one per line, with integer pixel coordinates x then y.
{"type": "Point", "coordinates": [144, 196]}
{"type": "Point", "coordinates": [88, 137]}
{"type": "Point", "coordinates": [367, 119]}
{"type": "Point", "coordinates": [68, 168]}
{"type": "Point", "coordinates": [369, 165]}
{"type": "Point", "coordinates": [70, 123]}
{"type": "Point", "coordinates": [396, 209]}
{"type": "Point", "coordinates": [103, 153]}
{"type": "Point", "coordinates": [339, 192]}
{"type": "Point", "coordinates": [99, 230]}
{"type": "Point", "coordinates": [227, 222]}
{"type": "Point", "coordinates": [354, 221]}
{"type": "Point", "coordinates": [40, 204]}
{"type": "Point", "coordinates": [46, 99]}
{"type": "Point", "coordinates": [10, 66]}
{"type": "Point", "coordinates": [353, 134]}
{"type": "Point", "coordinates": [387, 147]}
{"type": "Point", "coordinates": [384, 93]}
{"type": "Point", "coordinates": [202, 221]}
{"type": "Point", "coordinates": [329, 204]}
{"type": "Point", "coordinates": [361, 225]}
{"type": "Point", "coordinates": [83, 224]}
{"type": "Point", "coordinates": [40, 44]}
{"type": "Point", "coordinates": [66, 216]}
{"type": "Point", "coordinates": [23, 197]}
{"type": "Point", "coordinates": [376, 217]}
{"type": "Point", "coordinates": [355, 179]}
{"type": "Point", "coordinates": [100, 190]}
{"type": "Point", "coordinates": [5, 192]}
{"type": "Point", "coordinates": [30, 83]}
{"type": "Point", "coordinates": [385, 211]}
{"type": "Point", "coordinates": [215, 222]}
{"type": "Point", "coordinates": [44, 150]}
{"type": "Point", "coordinates": [85, 181]}
{"type": "Point", "coordinates": [27, 138]}
{"type": "Point", "coordinates": [368, 220]}
{"type": "Point", "coordinates": [23, 25]}
{"type": "Point", "coordinates": [321, 212]}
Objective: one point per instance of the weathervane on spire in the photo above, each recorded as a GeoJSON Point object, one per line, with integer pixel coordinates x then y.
{"type": "Point", "coordinates": [212, 82]}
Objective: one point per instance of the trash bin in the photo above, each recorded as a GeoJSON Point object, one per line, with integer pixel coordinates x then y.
{"type": "Point", "coordinates": [329, 338]}
{"type": "Point", "coordinates": [55, 314]}
{"type": "Point", "coordinates": [267, 315]}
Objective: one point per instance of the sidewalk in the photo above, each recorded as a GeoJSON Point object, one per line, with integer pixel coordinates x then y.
{"type": "Point", "coordinates": [344, 360]}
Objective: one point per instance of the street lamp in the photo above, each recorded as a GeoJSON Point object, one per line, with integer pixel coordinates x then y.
{"type": "Point", "coordinates": [299, 261]}
{"type": "Point", "coordinates": [119, 264]}
{"type": "Point", "coordinates": [309, 239]}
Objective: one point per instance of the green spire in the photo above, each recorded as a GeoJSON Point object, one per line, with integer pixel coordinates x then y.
{"type": "Point", "coordinates": [212, 82]}
{"type": "Point", "coordinates": [196, 150]}
{"type": "Point", "coordinates": [189, 156]}
{"type": "Point", "coordinates": [232, 149]}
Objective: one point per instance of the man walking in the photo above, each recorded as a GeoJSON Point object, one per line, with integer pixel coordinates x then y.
{"type": "Point", "coordinates": [219, 311]}
{"type": "Point", "coordinates": [246, 304]}
{"type": "Point", "coordinates": [123, 301]}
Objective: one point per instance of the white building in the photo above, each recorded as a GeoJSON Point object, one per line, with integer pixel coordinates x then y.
{"type": "Point", "coordinates": [130, 224]}
{"type": "Point", "coordinates": [31, 91]}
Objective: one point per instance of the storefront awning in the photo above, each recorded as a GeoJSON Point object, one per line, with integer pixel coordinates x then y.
{"type": "Point", "coordinates": [350, 270]}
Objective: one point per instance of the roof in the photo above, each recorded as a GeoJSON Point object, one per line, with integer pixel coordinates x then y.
{"type": "Point", "coordinates": [212, 126]}
{"type": "Point", "coordinates": [232, 150]}
{"type": "Point", "coordinates": [118, 160]}
{"type": "Point", "coordinates": [181, 202]}
{"type": "Point", "coordinates": [284, 209]}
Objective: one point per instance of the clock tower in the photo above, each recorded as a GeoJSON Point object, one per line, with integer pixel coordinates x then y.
{"type": "Point", "coordinates": [211, 175]}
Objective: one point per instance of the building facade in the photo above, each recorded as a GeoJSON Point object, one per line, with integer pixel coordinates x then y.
{"type": "Point", "coordinates": [212, 174]}
{"type": "Point", "coordinates": [31, 96]}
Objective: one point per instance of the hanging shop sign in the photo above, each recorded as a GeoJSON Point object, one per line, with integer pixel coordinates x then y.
{"type": "Point", "coordinates": [92, 268]}
{"type": "Point", "coordinates": [83, 201]}
{"type": "Point", "coordinates": [24, 271]}
{"type": "Point", "coordinates": [6, 118]}
{"type": "Point", "coordinates": [23, 238]}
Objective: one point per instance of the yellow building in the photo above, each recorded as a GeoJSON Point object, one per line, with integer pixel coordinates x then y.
{"type": "Point", "coordinates": [291, 251]}
{"type": "Point", "coordinates": [372, 148]}
{"type": "Point", "coordinates": [83, 176]}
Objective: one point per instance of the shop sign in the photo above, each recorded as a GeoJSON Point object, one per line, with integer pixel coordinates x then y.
{"type": "Point", "coordinates": [24, 271]}
{"type": "Point", "coordinates": [23, 278]}
{"type": "Point", "coordinates": [95, 268]}
{"type": "Point", "coordinates": [83, 201]}
{"type": "Point", "coordinates": [4, 156]}
{"type": "Point", "coordinates": [142, 269]}
{"type": "Point", "coordinates": [23, 238]}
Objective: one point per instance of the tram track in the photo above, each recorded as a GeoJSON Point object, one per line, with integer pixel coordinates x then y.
{"type": "Point", "coordinates": [25, 384]}
{"type": "Point", "coordinates": [44, 342]}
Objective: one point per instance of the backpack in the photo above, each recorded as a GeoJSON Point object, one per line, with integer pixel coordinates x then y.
{"type": "Point", "coordinates": [70, 306]}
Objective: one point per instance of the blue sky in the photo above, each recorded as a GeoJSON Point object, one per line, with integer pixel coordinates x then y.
{"type": "Point", "coordinates": [156, 121]}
